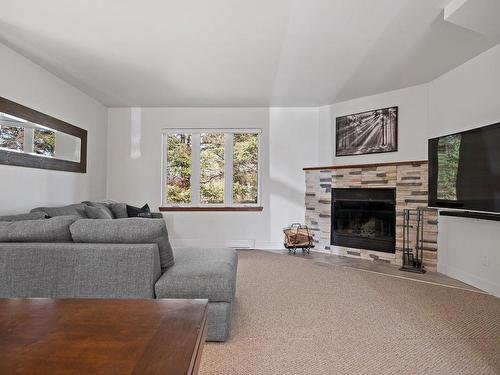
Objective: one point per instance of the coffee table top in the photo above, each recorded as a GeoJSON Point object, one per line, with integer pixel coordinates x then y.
{"type": "Point", "coordinates": [97, 336]}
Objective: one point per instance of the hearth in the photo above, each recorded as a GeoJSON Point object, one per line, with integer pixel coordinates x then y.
{"type": "Point", "coordinates": [364, 218]}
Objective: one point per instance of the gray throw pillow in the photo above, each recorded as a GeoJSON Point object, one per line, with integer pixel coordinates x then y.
{"type": "Point", "coordinates": [126, 231]}
{"type": "Point", "coordinates": [119, 210]}
{"type": "Point", "coordinates": [20, 217]}
{"type": "Point", "coordinates": [70, 210]}
{"type": "Point", "coordinates": [97, 213]}
{"type": "Point", "coordinates": [49, 230]}
{"type": "Point", "coordinates": [103, 206]}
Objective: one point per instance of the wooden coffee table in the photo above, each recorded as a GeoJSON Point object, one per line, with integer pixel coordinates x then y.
{"type": "Point", "coordinates": [97, 336]}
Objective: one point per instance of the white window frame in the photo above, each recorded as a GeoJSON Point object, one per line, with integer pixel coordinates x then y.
{"type": "Point", "coordinates": [195, 166]}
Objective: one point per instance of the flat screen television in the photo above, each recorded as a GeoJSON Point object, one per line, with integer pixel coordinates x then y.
{"type": "Point", "coordinates": [464, 170]}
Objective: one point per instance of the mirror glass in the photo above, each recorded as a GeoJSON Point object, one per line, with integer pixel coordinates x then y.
{"type": "Point", "coordinates": [23, 136]}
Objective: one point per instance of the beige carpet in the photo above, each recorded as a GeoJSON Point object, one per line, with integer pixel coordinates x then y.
{"type": "Point", "coordinates": [293, 316]}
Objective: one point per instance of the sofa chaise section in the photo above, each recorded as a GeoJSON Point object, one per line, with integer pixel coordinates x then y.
{"type": "Point", "coordinates": [208, 274]}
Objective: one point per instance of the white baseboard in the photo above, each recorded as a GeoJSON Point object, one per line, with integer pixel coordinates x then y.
{"type": "Point", "coordinates": [213, 243]}
{"type": "Point", "coordinates": [470, 279]}
{"type": "Point", "coordinates": [237, 244]}
{"type": "Point", "coordinates": [265, 245]}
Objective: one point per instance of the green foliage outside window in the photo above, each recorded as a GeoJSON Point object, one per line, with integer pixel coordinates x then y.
{"type": "Point", "coordinates": [212, 168]}
{"type": "Point", "coordinates": [44, 142]}
{"type": "Point", "coordinates": [12, 137]}
{"type": "Point", "coordinates": [179, 168]}
{"type": "Point", "coordinates": [448, 158]}
{"type": "Point", "coordinates": [245, 168]}
{"type": "Point", "coordinates": [212, 177]}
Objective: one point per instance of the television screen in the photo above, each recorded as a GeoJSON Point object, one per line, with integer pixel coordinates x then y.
{"type": "Point", "coordinates": [464, 170]}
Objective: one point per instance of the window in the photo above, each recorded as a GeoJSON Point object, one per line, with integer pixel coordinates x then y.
{"type": "Point", "coordinates": [211, 168]}
{"type": "Point", "coordinates": [17, 134]}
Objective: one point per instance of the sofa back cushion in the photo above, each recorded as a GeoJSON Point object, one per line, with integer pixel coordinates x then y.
{"type": "Point", "coordinates": [70, 210]}
{"type": "Point", "coordinates": [49, 230]}
{"type": "Point", "coordinates": [20, 217]}
{"type": "Point", "coordinates": [126, 231]}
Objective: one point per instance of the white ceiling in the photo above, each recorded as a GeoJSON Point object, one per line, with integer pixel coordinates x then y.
{"type": "Point", "coordinates": [477, 15]}
{"type": "Point", "coordinates": [236, 52]}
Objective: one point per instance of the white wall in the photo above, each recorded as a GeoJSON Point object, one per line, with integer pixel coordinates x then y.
{"type": "Point", "coordinates": [293, 139]}
{"type": "Point", "coordinates": [326, 121]}
{"type": "Point", "coordinates": [465, 98]}
{"type": "Point", "coordinates": [469, 250]}
{"type": "Point", "coordinates": [412, 105]}
{"type": "Point", "coordinates": [289, 141]}
{"type": "Point", "coordinates": [24, 188]}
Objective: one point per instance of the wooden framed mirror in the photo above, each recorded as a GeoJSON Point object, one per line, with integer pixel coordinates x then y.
{"type": "Point", "coordinates": [29, 138]}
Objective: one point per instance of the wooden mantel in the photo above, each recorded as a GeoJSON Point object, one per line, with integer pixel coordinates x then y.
{"type": "Point", "coordinates": [364, 165]}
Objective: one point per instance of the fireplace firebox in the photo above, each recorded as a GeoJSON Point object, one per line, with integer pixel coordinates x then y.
{"type": "Point", "coordinates": [364, 218]}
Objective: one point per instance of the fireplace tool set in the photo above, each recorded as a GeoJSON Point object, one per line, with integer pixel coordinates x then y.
{"type": "Point", "coordinates": [298, 236]}
{"type": "Point", "coordinates": [413, 258]}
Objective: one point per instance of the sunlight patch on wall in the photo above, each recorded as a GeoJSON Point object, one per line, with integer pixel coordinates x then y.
{"type": "Point", "coordinates": [135, 132]}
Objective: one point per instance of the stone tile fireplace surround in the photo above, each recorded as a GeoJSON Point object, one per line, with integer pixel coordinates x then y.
{"type": "Point", "coordinates": [410, 182]}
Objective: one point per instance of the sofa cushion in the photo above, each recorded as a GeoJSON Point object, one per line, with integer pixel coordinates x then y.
{"type": "Point", "coordinates": [49, 230]}
{"type": "Point", "coordinates": [78, 270]}
{"type": "Point", "coordinates": [119, 210]}
{"type": "Point", "coordinates": [200, 273]}
{"type": "Point", "coordinates": [97, 213]}
{"type": "Point", "coordinates": [20, 217]}
{"type": "Point", "coordinates": [219, 320]}
{"type": "Point", "coordinates": [127, 231]}
{"type": "Point", "coordinates": [70, 210]}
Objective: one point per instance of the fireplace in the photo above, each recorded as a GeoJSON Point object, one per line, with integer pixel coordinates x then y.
{"type": "Point", "coordinates": [364, 218]}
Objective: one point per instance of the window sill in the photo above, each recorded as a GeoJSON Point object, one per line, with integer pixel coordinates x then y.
{"type": "Point", "coordinates": [212, 209]}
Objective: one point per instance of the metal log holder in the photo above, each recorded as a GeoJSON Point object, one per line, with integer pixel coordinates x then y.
{"type": "Point", "coordinates": [298, 236]}
{"type": "Point", "coordinates": [413, 259]}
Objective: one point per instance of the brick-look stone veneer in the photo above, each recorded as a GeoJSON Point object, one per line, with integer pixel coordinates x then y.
{"type": "Point", "coordinates": [410, 181]}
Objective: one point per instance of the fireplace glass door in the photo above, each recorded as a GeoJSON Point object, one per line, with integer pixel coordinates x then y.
{"type": "Point", "coordinates": [364, 219]}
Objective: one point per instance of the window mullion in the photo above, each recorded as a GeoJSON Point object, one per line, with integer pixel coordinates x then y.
{"type": "Point", "coordinates": [228, 169]}
{"type": "Point", "coordinates": [259, 170]}
{"type": "Point", "coordinates": [195, 170]}
{"type": "Point", "coordinates": [29, 138]}
{"type": "Point", "coordinates": [164, 178]}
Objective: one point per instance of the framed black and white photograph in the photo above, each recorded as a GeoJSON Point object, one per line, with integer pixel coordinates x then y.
{"type": "Point", "coordinates": [367, 132]}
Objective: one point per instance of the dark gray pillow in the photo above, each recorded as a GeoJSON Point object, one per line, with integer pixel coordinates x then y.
{"type": "Point", "coordinates": [103, 206]}
{"type": "Point", "coordinates": [97, 213]}
{"type": "Point", "coordinates": [136, 211]}
{"type": "Point", "coordinates": [127, 231]}
{"type": "Point", "coordinates": [150, 215]}
{"type": "Point", "coordinates": [119, 210]}
{"type": "Point", "coordinates": [49, 230]}
{"type": "Point", "coordinates": [20, 217]}
{"type": "Point", "coordinates": [70, 210]}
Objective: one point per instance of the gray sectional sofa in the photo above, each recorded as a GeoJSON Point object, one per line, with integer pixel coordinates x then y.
{"type": "Point", "coordinates": [68, 256]}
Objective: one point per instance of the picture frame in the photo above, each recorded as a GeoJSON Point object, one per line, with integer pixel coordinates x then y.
{"type": "Point", "coordinates": [369, 132]}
